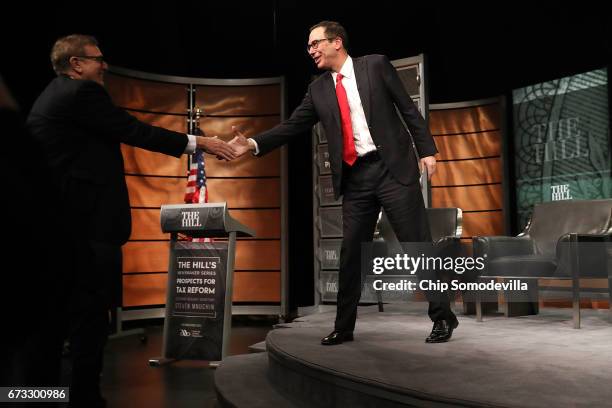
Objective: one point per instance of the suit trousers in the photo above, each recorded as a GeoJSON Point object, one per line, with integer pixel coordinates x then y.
{"type": "Point", "coordinates": [368, 186]}
{"type": "Point", "coordinates": [89, 320]}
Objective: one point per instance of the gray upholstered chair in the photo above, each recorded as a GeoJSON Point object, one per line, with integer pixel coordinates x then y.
{"type": "Point", "coordinates": [563, 240]}
{"type": "Point", "coordinates": [445, 224]}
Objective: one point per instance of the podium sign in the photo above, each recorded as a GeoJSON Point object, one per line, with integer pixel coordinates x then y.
{"type": "Point", "coordinates": [200, 278]}
{"type": "Point", "coordinates": [196, 301]}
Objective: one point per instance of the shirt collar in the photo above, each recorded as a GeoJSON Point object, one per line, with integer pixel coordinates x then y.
{"type": "Point", "coordinates": [347, 70]}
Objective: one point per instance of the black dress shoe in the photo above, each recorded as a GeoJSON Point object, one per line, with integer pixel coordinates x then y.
{"type": "Point", "coordinates": [336, 337]}
{"type": "Point", "coordinates": [442, 331]}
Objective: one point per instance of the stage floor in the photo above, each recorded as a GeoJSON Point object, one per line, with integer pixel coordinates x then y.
{"type": "Point", "coordinates": [531, 361]}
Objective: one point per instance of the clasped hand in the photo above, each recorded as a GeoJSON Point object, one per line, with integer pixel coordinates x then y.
{"type": "Point", "coordinates": [231, 150]}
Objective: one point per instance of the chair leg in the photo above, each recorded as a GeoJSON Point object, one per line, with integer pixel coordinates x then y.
{"type": "Point", "coordinates": [522, 304]}
{"type": "Point", "coordinates": [478, 306]}
{"type": "Point", "coordinates": [576, 302]}
{"type": "Point", "coordinates": [575, 281]}
{"type": "Point", "coordinates": [379, 299]}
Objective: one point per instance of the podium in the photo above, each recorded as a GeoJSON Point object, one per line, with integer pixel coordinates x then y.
{"type": "Point", "coordinates": [198, 318]}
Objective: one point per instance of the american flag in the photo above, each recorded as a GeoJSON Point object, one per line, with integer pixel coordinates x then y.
{"type": "Point", "coordinates": [196, 191]}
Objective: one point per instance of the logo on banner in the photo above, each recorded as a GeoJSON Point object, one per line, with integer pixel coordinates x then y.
{"type": "Point", "coordinates": [190, 219]}
{"type": "Point", "coordinates": [560, 192]}
{"type": "Point", "coordinates": [190, 333]}
{"type": "Point", "coordinates": [331, 287]}
{"type": "Point", "coordinates": [331, 255]}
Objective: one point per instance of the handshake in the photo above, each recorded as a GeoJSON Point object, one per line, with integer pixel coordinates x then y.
{"type": "Point", "coordinates": [231, 150]}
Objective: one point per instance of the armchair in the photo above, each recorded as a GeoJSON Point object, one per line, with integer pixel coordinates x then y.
{"type": "Point", "coordinates": [563, 240]}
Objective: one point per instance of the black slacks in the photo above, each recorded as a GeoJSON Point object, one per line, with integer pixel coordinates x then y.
{"type": "Point", "coordinates": [368, 185]}
{"type": "Point", "coordinates": [79, 312]}
{"type": "Point", "coordinates": [89, 319]}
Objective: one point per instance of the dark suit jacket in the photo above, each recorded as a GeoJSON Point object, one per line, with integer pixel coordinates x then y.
{"type": "Point", "coordinates": [80, 131]}
{"type": "Point", "coordinates": [380, 90]}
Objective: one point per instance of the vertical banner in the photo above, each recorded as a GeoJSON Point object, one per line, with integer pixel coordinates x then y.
{"type": "Point", "coordinates": [196, 300]}
{"type": "Point", "coordinates": [561, 139]}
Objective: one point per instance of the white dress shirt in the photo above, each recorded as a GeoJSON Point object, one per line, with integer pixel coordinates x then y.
{"type": "Point", "coordinates": [361, 132]}
{"type": "Point", "coordinates": [191, 144]}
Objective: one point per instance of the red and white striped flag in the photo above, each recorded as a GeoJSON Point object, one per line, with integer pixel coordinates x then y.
{"type": "Point", "coordinates": [196, 191]}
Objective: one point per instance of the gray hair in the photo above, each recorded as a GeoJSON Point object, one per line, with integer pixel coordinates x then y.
{"type": "Point", "coordinates": [69, 46]}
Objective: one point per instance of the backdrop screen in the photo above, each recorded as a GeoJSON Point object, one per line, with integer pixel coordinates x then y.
{"type": "Point", "coordinates": [561, 139]}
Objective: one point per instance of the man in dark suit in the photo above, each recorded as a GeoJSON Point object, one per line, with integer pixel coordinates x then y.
{"type": "Point", "coordinates": [372, 161]}
{"type": "Point", "coordinates": [80, 131]}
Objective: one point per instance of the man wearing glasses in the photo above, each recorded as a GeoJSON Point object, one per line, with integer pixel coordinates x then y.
{"type": "Point", "coordinates": [80, 132]}
{"type": "Point", "coordinates": [372, 161]}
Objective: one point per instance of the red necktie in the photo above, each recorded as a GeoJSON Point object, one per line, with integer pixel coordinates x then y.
{"type": "Point", "coordinates": [349, 154]}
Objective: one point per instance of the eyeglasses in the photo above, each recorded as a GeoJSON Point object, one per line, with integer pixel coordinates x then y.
{"type": "Point", "coordinates": [315, 44]}
{"type": "Point", "coordinates": [97, 58]}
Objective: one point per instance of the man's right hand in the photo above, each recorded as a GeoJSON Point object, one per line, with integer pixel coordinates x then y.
{"type": "Point", "coordinates": [240, 143]}
{"type": "Point", "coordinates": [216, 146]}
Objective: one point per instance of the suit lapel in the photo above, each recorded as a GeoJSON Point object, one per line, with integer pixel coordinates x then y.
{"type": "Point", "coordinates": [329, 92]}
{"type": "Point", "coordinates": [363, 85]}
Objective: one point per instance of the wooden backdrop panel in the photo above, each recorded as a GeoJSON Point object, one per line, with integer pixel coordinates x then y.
{"type": "Point", "coordinates": [145, 256]}
{"type": "Point", "coordinates": [256, 287]}
{"type": "Point", "coordinates": [146, 95]}
{"type": "Point", "coordinates": [250, 126]}
{"type": "Point", "coordinates": [254, 200]}
{"type": "Point", "coordinates": [145, 289]}
{"type": "Point", "coordinates": [465, 120]}
{"type": "Point", "coordinates": [178, 123]}
{"type": "Point", "coordinates": [465, 172]}
{"type": "Point", "coordinates": [153, 256]}
{"type": "Point", "coordinates": [258, 255]}
{"type": "Point", "coordinates": [146, 225]}
{"type": "Point", "coordinates": [470, 145]}
{"type": "Point", "coordinates": [266, 223]}
{"type": "Point", "coordinates": [245, 166]}
{"type": "Point", "coordinates": [140, 161]}
{"type": "Point", "coordinates": [471, 198]}
{"type": "Point", "coordinates": [155, 191]}
{"type": "Point", "coordinates": [239, 100]}
{"type": "Point", "coordinates": [245, 193]}
{"type": "Point", "coordinates": [483, 224]}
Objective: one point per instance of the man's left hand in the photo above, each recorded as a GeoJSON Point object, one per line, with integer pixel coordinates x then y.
{"type": "Point", "coordinates": [428, 163]}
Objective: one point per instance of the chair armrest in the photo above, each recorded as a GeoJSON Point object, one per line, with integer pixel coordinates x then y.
{"type": "Point", "coordinates": [495, 246]}
{"type": "Point", "coordinates": [563, 243]}
{"type": "Point", "coordinates": [589, 237]}
{"type": "Point", "coordinates": [447, 241]}
{"type": "Point", "coordinates": [448, 246]}
{"type": "Point", "coordinates": [584, 255]}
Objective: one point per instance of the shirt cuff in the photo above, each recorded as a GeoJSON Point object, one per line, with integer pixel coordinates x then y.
{"type": "Point", "coordinates": [191, 144]}
{"type": "Point", "coordinates": [256, 152]}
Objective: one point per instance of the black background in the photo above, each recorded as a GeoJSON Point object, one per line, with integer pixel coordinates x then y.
{"type": "Point", "coordinates": [473, 51]}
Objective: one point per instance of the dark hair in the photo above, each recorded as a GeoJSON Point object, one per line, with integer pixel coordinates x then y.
{"type": "Point", "coordinates": [69, 46]}
{"type": "Point", "coordinates": [333, 29]}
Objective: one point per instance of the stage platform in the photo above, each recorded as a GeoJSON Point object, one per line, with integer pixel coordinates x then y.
{"type": "Point", "coordinates": [532, 361]}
